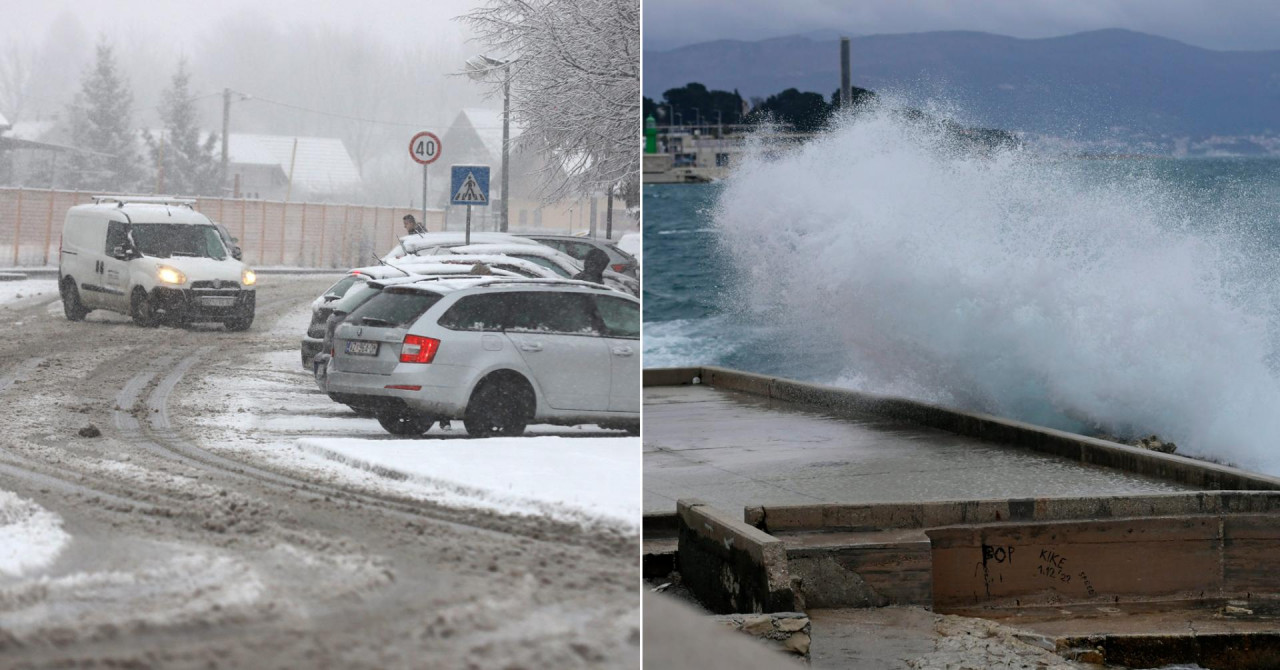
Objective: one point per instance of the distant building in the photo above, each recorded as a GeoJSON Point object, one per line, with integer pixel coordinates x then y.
{"type": "Point", "coordinates": [476, 137]}
{"type": "Point", "coordinates": [259, 167]}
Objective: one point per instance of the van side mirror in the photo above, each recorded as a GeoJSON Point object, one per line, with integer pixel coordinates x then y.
{"type": "Point", "coordinates": [121, 253]}
{"type": "Point", "coordinates": [236, 253]}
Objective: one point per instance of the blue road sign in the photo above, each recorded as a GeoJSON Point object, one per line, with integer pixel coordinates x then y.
{"type": "Point", "coordinates": [469, 185]}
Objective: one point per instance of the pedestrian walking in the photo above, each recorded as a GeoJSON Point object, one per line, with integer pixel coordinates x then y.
{"type": "Point", "coordinates": [412, 227]}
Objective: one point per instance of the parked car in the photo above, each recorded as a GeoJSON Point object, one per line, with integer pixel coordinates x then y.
{"type": "Point", "coordinates": [557, 261]}
{"type": "Point", "coordinates": [578, 247]}
{"type": "Point", "coordinates": [153, 259]}
{"type": "Point", "coordinates": [411, 245]}
{"type": "Point", "coordinates": [497, 353]}
{"type": "Point", "coordinates": [415, 266]}
{"type": "Point", "coordinates": [230, 242]}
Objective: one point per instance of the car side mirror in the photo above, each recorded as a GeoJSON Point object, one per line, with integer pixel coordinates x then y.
{"type": "Point", "coordinates": [329, 297]}
{"type": "Point", "coordinates": [121, 253]}
{"type": "Point", "coordinates": [236, 253]}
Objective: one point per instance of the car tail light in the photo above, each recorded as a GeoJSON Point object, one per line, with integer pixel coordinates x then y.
{"type": "Point", "coordinates": [417, 349]}
{"type": "Point", "coordinates": [619, 267]}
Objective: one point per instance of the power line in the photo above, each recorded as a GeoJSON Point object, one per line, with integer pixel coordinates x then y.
{"type": "Point", "coordinates": [352, 118]}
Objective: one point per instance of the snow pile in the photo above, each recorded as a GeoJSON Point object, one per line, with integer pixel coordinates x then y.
{"type": "Point", "coordinates": [31, 537]}
{"type": "Point", "coordinates": [570, 478]}
{"type": "Point", "coordinates": [24, 292]}
{"type": "Point", "coordinates": [631, 244]}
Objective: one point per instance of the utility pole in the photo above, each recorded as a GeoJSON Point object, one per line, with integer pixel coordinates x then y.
{"type": "Point", "coordinates": [506, 142]}
{"type": "Point", "coordinates": [226, 128]}
{"type": "Point", "coordinates": [846, 93]}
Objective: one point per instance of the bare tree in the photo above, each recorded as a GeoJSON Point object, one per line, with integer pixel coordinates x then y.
{"type": "Point", "coordinates": [15, 80]}
{"type": "Point", "coordinates": [574, 72]}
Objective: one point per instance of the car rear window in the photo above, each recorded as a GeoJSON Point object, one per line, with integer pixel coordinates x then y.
{"type": "Point", "coordinates": [340, 288]}
{"type": "Point", "coordinates": [354, 297]}
{"type": "Point", "coordinates": [618, 250]}
{"type": "Point", "coordinates": [621, 317]}
{"type": "Point", "coordinates": [393, 309]}
{"type": "Point", "coordinates": [546, 263]}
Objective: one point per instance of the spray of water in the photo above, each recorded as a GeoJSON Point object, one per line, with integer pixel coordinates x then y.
{"type": "Point", "coordinates": [1010, 284]}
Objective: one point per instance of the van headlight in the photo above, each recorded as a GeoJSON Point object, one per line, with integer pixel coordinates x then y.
{"type": "Point", "coordinates": [170, 275]}
{"type": "Point", "coordinates": [248, 278]}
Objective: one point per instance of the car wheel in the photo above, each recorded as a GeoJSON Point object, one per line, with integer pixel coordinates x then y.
{"type": "Point", "coordinates": [401, 423]}
{"type": "Point", "coordinates": [498, 408]}
{"type": "Point", "coordinates": [239, 323]}
{"type": "Point", "coordinates": [71, 305]}
{"type": "Point", "coordinates": [142, 309]}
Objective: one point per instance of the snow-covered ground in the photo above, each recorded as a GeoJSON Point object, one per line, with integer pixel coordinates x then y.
{"type": "Point", "coordinates": [580, 474]}
{"type": "Point", "coordinates": [31, 537]}
{"type": "Point", "coordinates": [595, 476]}
{"type": "Point", "coordinates": [21, 292]}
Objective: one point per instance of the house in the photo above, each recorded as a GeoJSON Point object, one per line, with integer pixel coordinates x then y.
{"type": "Point", "coordinates": [259, 166]}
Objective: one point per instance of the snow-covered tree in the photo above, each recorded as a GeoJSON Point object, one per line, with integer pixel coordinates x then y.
{"type": "Point", "coordinates": [574, 73]}
{"type": "Point", "coordinates": [101, 122]}
{"type": "Point", "coordinates": [190, 167]}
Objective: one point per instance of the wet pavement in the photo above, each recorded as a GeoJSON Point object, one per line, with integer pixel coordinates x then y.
{"type": "Point", "coordinates": [734, 450]}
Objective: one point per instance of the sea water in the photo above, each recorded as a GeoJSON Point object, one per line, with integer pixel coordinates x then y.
{"type": "Point", "coordinates": [1119, 296]}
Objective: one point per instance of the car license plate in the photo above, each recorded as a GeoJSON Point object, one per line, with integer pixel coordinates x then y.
{"type": "Point", "coordinates": [358, 348]}
{"type": "Point", "coordinates": [218, 301]}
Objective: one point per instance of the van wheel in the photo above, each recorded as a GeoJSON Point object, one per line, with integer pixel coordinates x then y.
{"type": "Point", "coordinates": [71, 305]}
{"type": "Point", "coordinates": [498, 408]}
{"type": "Point", "coordinates": [143, 311]}
{"type": "Point", "coordinates": [401, 423]}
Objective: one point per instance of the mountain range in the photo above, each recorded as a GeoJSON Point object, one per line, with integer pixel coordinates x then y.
{"type": "Point", "coordinates": [1088, 86]}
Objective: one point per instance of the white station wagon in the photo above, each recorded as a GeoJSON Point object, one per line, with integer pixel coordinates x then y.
{"type": "Point", "coordinates": [497, 353]}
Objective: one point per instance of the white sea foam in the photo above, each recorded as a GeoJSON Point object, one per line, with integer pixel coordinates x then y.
{"type": "Point", "coordinates": [1010, 284]}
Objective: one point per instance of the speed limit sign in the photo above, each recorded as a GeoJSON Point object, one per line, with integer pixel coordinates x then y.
{"type": "Point", "coordinates": [424, 148]}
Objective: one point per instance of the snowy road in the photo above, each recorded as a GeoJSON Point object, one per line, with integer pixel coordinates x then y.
{"type": "Point", "coordinates": [194, 532]}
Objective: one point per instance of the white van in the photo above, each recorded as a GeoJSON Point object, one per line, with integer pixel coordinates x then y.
{"type": "Point", "coordinates": [153, 259]}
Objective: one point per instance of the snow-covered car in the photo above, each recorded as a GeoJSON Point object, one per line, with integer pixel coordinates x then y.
{"type": "Point", "coordinates": [497, 353]}
{"type": "Point", "coordinates": [415, 266]}
{"type": "Point", "coordinates": [559, 262]}
{"type": "Point", "coordinates": [422, 243]}
{"type": "Point", "coordinates": [578, 247]}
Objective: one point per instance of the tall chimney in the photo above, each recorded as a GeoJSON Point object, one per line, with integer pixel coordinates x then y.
{"type": "Point", "coordinates": [846, 93]}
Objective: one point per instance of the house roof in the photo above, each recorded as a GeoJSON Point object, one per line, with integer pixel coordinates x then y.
{"type": "Point", "coordinates": [487, 125]}
{"type": "Point", "coordinates": [323, 163]}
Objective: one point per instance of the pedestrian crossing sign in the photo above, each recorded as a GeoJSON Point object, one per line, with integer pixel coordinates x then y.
{"type": "Point", "coordinates": [469, 185]}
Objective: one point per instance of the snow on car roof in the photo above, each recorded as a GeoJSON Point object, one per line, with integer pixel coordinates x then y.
{"type": "Point", "coordinates": [450, 284]}
{"type": "Point", "coordinates": [411, 244]}
{"type": "Point", "coordinates": [383, 272]}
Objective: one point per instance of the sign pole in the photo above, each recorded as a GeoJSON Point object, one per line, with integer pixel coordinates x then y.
{"type": "Point", "coordinates": [425, 148]}
{"type": "Point", "coordinates": [468, 224]}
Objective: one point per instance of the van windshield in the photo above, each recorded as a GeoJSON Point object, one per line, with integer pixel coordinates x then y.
{"type": "Point", "coordinates": [174, 239]}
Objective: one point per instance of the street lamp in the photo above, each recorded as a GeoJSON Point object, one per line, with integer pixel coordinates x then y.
{"type": "Point", "coordinates": [697, 118]}
{"type": "Point", "coordinates": [478, 68]}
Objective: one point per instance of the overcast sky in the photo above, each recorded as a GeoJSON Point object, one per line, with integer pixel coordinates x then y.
{"type": "Point", "coordinates": [1213, 24]}
{"type": "Point", "coordinates": [172, 21]}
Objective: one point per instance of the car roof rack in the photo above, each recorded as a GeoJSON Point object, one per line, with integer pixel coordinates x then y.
{"type": "Point", "coordinates": [122, 200]}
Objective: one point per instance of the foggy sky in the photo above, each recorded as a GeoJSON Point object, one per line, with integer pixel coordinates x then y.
{"type": "Point", "coordinates": [1212, 24]}
{"type": "Point", "coordinates": [171, 22]}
